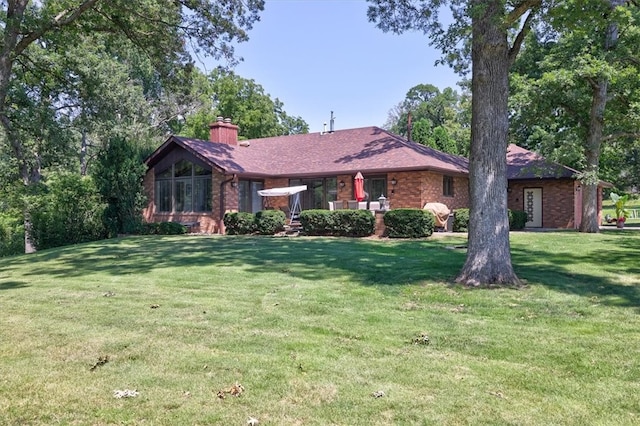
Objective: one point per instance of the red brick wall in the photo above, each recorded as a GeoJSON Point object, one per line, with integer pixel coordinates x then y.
{"type": "Point", "coordinates": [276, 202]}
{"type": "Point", "coordinates": [557, 201]}
{"type": "Point", "coordinates": [415, 189]}
{"type": "Point", "coordinates": [209, 222]}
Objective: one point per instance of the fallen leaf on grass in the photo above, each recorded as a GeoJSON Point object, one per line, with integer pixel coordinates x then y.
{"type": "Point", "coordinates": [154, 306]}
{"type": "Point", "coordinates": [422, 339]}
{"type": "Point", "coordinates": [235, 390]}
{"type": "Point", "coordinates": [101, 361]}
{"type": "Point", "coordinates": [252, 421]}
{"type": "Point", "coordinates": [378, 394]}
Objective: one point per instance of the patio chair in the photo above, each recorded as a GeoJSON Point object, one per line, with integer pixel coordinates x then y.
{"type": "Point", "coordinates": [353, 204]}
{"type": "Point", "coordinates": [374, 205]}
{"type": "Point", "coordinates": [332, 205]}
{"type": "Point", "coordinates": [362, 205]}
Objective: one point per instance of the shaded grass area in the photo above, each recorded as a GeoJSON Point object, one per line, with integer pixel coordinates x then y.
{"type": "Point", "coordinates": [312, 327]}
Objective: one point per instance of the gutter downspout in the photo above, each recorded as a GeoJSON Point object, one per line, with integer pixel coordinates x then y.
{"type": "Point", "coordinates": [222, 201]}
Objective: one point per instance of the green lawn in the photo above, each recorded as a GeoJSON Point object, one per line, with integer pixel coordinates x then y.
{"type": "Point", "coordinates": [313, 327]}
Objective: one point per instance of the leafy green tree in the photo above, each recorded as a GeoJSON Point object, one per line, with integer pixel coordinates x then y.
{"type": "Point", "coordinates": [226, 94]}
{"type": "Point", "coordinates": [438, 119]}
{"type": "Point", "coordinates": [35, 79]}
{"type": "Point", "coordinates": [577, 96]}
{"type": "Point", "coordinates": [118, 175]}
{"type": "Point", "coordinates": [492, 32]}
{"type": "Point", "coordinates": [70, 211]}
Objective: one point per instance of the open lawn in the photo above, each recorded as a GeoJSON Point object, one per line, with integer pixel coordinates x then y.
{"type": "Point", "coordinates": [320, 331]}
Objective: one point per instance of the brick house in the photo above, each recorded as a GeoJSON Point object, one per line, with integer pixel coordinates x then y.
{"type": "Point", "coordinates": [195, 181]}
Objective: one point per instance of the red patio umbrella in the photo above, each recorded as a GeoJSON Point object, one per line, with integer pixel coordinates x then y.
{"type": "Point", "coordinates": [358, 187]}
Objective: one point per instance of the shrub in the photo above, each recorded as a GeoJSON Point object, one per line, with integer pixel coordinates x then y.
{"type": "Point", "coordinates": [118, 173]}
{"type": "Point", "coordinates": [69, 212]}
{"type": "Point", "coordinates": [317, 222]}
{"type": "Point", "coordinates": [11, 234]}
{"type": "Point", "coordinates": [461, 220]}
{"type": "Point", "coordinates": [409, 223]}
{"type": "Point", "coordinates": [354, 223]}
{"type": "Point", "coordinates": [346, 223]}
{"type": "Point", "coordinates": [150, 228]}
{"type": "Point", "coordinates": [517, 219]}
{"type": "Point", "coordinates": [239, 223]}
{"type": "Point", "coordinates": [171, 228]}
{"type": "Point", "coordinates": [268, 222]}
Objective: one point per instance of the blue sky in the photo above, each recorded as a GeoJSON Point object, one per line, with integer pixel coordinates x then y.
{"type": "Point", "coordinates": [319, 56]}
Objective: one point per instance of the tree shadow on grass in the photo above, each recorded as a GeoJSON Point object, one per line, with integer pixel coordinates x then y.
{"type": "Point", "coordinates": [368, 262]}
{"type": "Point", "coordinates": [617, 282]}
{"type": "Point", "coordinates": [10, 285]}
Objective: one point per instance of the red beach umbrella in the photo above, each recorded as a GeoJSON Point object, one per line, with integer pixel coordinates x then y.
{"type": "Point", "coordinates": [359, 187]}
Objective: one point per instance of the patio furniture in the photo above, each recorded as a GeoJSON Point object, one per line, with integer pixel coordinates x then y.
{"type": "Point", "coordinates": [293, 212]}
{"type": "Point", "coordinates": [374, 205]}
{"type": "Point", "coordinates": [352, 204]}
{"type": "Point", "coordinates": [362, 205]}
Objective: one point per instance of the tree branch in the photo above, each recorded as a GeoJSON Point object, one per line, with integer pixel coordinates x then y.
{"type": "Point", "coordinates": [62, 19]}
{"type": "Point", "coordinates": [621, 135]}
{"type": "Point", "coordinates": [517, 43]}
{"type": "Point", "coordinates": [520, 9]}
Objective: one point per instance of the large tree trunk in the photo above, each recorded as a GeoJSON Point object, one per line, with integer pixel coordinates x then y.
{"type": "Point", "coordinates": [489, 253]}
{"type": "Point", "coordinates": [600, 86]}
{"type": "Point", "coordinates": [590, 221]}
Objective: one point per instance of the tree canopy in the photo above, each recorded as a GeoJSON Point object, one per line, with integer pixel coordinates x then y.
{"type": "Point", "coordinates": [71, 70]}
{"type": "Point", "coordinates": [576, 96]}
{"type": "Point", "coordinates": [437, 119]}
{"type": "Point", "coordinates": [39, 73]}
{"type": "Point", "coordinates": [226, 94]}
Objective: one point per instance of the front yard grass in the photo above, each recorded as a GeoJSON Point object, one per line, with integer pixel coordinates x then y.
{"type": "Point", "coordinates": [313, 328]}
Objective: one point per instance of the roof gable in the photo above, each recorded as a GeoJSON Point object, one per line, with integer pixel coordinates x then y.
{"type": "Point", "coordinates": [525, 164]}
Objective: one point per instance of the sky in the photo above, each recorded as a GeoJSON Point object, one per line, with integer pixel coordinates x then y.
{"type": "Point", "coordinates": [319, 56]}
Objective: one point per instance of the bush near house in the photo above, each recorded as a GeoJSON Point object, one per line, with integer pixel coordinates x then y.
{"type": "Point", "coordinates": [461, 220]}
{"type": "Point", "coordinates": [162, 228]}
{"type": "Point", "coordinates": [409, 223]}
{"type": "Point", "coordinates": [317, 222]}
{"type": "Point", "coordinates": [268, 222]}
{"type": "Point", "coordinates": [343, 223]}
{"type": "Point", "coordinates": [517, 220]}
{"type": "Point", "coordinates": [239, 223]}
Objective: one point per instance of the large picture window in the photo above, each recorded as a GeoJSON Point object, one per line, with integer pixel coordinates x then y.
{"type": "Point", "coordinates": [318, 194]}
{"type": "Point", "coordinates": [183, 187]}
{"type": "Point", "coordinates": [248, 198]}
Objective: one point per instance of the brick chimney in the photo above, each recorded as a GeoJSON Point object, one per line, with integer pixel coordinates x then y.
{"type": "Point", "coordinates": [222, 131]}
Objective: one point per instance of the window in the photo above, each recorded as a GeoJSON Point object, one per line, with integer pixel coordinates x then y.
{"type": "Point", "coordinates": [375, 187]}
{"type": "Point", "coordinates": [184, 187]}
{"type": "Point", "coordinates": [248, 198]}
{"type": "Point", "coordinates": [447, 186]}
{"type": "Point", "coordinates": [318, 194]}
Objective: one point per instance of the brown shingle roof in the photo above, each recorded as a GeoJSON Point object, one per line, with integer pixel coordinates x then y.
{"type": "Point", "coordinates": [367, 149]}
{"type": "Point", "coordinates": [524, 164]}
